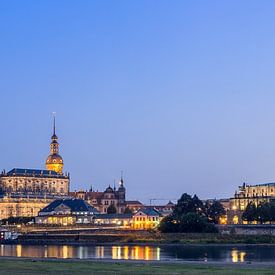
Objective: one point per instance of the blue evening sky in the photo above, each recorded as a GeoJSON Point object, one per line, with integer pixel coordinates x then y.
{"type": "Point", "coordinates": [178, 94]}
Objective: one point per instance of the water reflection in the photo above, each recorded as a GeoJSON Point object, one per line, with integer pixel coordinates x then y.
{"type": "Point", "coordinates": [138, 252]}
{"type": "Point", "coordinates": [237, 256]}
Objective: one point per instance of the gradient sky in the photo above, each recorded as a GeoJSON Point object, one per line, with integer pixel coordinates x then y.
{"type": "Point", "coordinates": [178, 94]}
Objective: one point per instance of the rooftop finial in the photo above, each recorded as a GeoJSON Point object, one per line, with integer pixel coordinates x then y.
{"type": "Point", "coordinates": [121, 178]}
{"type": "Point", "coordinates": [54, 113]}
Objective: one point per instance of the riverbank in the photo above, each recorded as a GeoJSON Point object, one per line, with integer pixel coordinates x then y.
{"type": "Point", "coordinates": [141, 238]}
{"type": "Point", "coordinates": [21, 266]}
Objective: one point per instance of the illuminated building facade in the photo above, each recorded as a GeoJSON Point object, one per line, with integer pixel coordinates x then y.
{"type": "Point", "coordinates": [102, 200]}
{"type": "Point", "coordinates": [23, 192]}
{"type": "Point", "coordinates": [146, 218]}
{"type": "Point", "coordinates": [256, 194]}
{"type": "Point", "coordinates": [66, 212]}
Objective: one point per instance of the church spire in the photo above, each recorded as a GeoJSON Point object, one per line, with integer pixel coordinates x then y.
{"type": "Point", "coordinates": [54, 161]}
{"type": "Point", "coordinates": [121, 178]}
{"type": "Point", "coordinates": [54, 123]}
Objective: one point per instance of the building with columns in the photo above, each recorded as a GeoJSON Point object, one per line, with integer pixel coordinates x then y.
{"type": "Point", "coordinates": [24, 192]}
{"type": "Point", "coordinates": [257, 193]}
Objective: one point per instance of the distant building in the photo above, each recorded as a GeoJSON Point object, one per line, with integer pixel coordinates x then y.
{"type": "Point", "coordinates": [134, 205]}
{"type": "Point", "coordinates": [102, 200]}
{"type": "Point", "coordinates": [23, 192]}
{"type": "Point", "coordinates": [117, 220]}
{"type": "Point", "coordinates": [146, 218]}
{"type": "Point", "coordinates": [66, 212]}
{"type": "Point", "coordinates": [164, 210]}
{"type": "Point", "coordinates": [248, 193]}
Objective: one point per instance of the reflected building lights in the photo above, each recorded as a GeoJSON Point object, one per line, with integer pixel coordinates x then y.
{"type": "Point", "coordinates": [65, 252]}
{"type": "Point", "coordinates": [99, 252]}
{"type": "Point", "coordinates": [237, 256]}
{"type": "Point", "coordinates": [126, 253]}
{"type": "Point", "coordinates": [19, 250]}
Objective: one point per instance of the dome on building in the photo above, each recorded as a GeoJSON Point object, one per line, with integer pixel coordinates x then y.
{"type": "Point", "coordinates": [109, 189]}
{"type": "Point", "coordinates": [54, 159]}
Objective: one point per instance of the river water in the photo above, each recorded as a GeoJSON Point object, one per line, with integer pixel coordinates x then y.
{"type": "Point", "coordinates": [222, 253]}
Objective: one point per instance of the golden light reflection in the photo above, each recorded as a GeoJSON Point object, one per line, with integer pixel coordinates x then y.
{"type": "Point", "coordinates": [65, 252]}
{"type": "Point", "coordinates": [126, 253]}
{"type": "Point", "coordinates": [135, 253]}
{"type": "Point", "coordinates": [19, 250]}
{"type": "Point", "coordinates": [237, 256]}
{"type": "Point", "coordinates": [99, 252]}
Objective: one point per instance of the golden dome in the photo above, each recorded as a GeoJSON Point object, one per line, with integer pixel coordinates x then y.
{"type": "Point", "coordinates": [54, 159]}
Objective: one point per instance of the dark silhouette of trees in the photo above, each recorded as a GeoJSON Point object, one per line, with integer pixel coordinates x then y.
{"type": "Point", "coordinates": [214, 211]}
{"type": "Point", "coordinates": [250, 213]}
{"type": "Point", "coordinates": [263, 212]}
{"type": "Point", "coordinates": [111, 209]}
{"type": "Point", "coordinates": [128, 211]}
{"type": "Point", "coordinates": [190, 215]}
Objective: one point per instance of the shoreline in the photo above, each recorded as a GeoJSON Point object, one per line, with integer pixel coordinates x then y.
{"type": "Point", "coordinates": [245, 264]}
{"type": "Point", "coordinates": [153, 244]}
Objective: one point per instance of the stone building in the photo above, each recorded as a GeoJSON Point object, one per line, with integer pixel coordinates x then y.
{"type": "Point", "coordinates": [248, 193]}
{"type": "Point", "coordinates": [102, 200]}
{"type": "Point", "coordinates": [23, 192]}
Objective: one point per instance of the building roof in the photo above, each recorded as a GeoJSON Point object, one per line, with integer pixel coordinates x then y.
{"type": "Point", "coordinates": [88, 194]}
{"type": "Point", "coordinates": [133, 202]}
{"type": "Point", "coordinates": [32, 172]}
{"type": "Point", "coordinates": [262, 184]}
{"type": "Point", "coordinates": [75, 205]}
{"type": "Point", "coordinates": [258, 184]}
{"type": "Point", "coordinates": [149, 211]}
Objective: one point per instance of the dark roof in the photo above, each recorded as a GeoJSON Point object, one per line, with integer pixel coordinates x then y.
{"type": "Point", "coordinates": [32, 172]}
{"type": "Point", "coordinates": [75, 205]}
{"type": "Point", "coordinates": [133, 202]}
{"type": "Point", "coordinates": [149, 211]}
{"type": "Point", "coordinates": [261, 184]}
{"type": "Point", "coordinates": [114, 216]}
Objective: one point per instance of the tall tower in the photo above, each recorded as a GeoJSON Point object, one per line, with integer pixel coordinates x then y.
{"type": "Point", "coordinates": [54, 161]}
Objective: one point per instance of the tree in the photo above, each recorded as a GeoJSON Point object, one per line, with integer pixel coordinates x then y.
{"type": "Point", "coordinates": [272, 211]}
{"type": "Point", "coordinates": [169, 224]}
{"type": "Point", "coordinates": [195, 223]}
{"type": "Point", "coordinates": [187, 204]}
{"type": "Point", "coordinates": [188, 216]}
{"type": "Point", "coordinates": [111, 209]}
{"type": "Point", "coordinates": [128, 211]}
{"type": "Point", "coordinates": [215, 211]}
{"type": "Point", "coordinates": [250, 213]}
{"type": "Point", "coordinates": [263, 212]}
{"type": "Point", "coordinates": [191, 222]}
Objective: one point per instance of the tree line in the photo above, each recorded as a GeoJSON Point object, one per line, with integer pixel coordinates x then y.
{"type": "Point", "coordinates": [192, 215]}
{"type": "Point", "coordinates": [262, 213]}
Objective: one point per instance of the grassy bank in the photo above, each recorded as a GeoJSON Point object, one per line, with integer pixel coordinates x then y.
{"type": "Point", "coordinates": [91, 267]}
{"type": "Point", "coordinates": [190, 238]}
{"type": "Point", "coordinates": [143, 237]}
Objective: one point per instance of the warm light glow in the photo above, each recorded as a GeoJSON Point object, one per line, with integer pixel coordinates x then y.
{"type": "Point", "coordinates": [235, 219]}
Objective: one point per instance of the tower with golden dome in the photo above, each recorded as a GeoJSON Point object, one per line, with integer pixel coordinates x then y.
{"type": "Point", "coordinates": [54, 161]}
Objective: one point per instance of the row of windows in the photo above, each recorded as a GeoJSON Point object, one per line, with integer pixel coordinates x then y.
{"type": "Point", "coordinates": [144, 219]}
